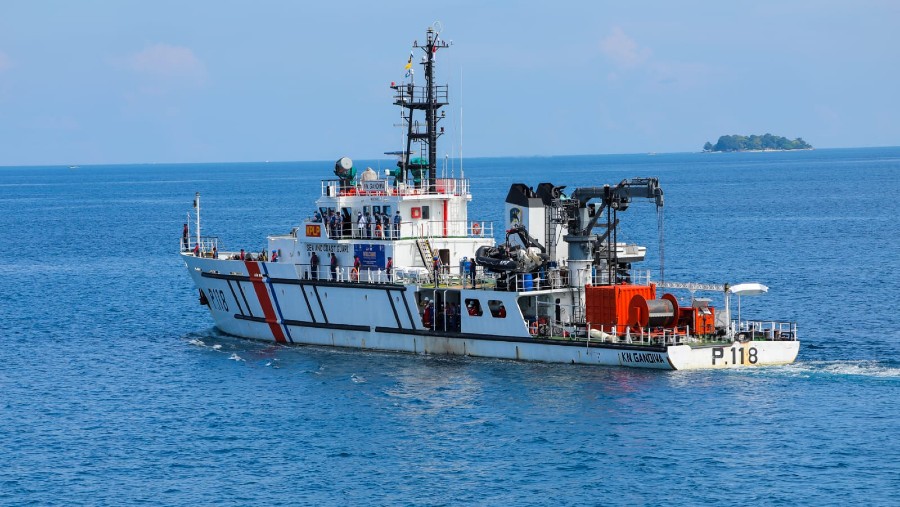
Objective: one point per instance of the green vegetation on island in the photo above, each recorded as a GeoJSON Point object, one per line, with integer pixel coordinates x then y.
{"type": "Point", "coordinates": [756, 143]}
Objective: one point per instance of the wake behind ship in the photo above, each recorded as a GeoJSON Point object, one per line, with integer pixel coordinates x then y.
{"type": "Point", "coordinates": [394, 262]}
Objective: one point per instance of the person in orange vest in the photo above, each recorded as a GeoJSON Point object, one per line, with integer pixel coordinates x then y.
{"type": "Point", "coordinates": [389, 269]}
{"type": "Point", "coordinates": [197, 250]}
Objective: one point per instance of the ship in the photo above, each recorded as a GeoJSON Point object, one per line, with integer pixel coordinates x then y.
{"type": "Point", "coordinates": [393, 262]}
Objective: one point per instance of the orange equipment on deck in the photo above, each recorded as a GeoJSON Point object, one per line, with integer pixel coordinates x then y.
{"type": "Point", "coordinates": [608, 305]}
{"type": "Point", "coordinates": [637, 307]}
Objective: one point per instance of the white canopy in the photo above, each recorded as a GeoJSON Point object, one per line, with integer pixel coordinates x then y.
{"type": "Point", "coordinates": [748, 289]}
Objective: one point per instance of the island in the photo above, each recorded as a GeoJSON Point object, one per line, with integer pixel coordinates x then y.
{"type": "Point", "coordinates": [766, 142]}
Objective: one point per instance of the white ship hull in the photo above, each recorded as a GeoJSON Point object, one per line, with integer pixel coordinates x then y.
{"type": "Point", "coordinates": [271, 302]}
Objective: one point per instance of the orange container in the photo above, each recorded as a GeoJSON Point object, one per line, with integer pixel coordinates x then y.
{"type": "Point", "coordinates": [608, 305]}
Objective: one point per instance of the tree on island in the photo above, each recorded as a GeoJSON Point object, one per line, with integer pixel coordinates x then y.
{"type": "Point", "coordinates": [755, 142]}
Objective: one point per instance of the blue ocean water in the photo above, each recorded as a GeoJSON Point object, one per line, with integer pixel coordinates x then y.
{"type": "Point", "coordinates": [116, 389]}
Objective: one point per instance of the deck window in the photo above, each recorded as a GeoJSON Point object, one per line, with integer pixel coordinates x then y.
{"type": "Point", "coordinates": [473, 306]}
{"type": "Point", "coordinates": [497, 309]}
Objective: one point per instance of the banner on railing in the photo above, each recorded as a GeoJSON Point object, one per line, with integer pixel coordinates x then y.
{"type": "Point", "coordinates": [370, 256]}
{"type": "Point", "coordinates": [374, 186]}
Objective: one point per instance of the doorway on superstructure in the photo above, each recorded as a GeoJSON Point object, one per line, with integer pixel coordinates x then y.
{"type": "Point", "coordinates": [439, 309]}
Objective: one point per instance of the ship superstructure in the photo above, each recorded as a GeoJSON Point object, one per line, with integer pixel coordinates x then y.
{"type": "Point", "coordinates": [393, 261]}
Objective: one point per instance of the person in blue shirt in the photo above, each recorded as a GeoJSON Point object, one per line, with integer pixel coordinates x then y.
{"type": "Point", "coordinates": [397, 220]}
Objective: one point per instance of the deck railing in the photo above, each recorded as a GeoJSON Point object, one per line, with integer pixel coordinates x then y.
{"type": "Point", "coordinates": [208, 246]}
{"type": "Point", "coordinates": [764, 330]}
{"type": "Point", "coordinates": [442, 186]}
{"type": "Point", "coordinates": [404, 230]}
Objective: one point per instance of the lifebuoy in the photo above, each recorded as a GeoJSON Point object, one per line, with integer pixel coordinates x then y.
{"type": "Point", "coordinates": [476, 228]}
{"type": "Point", "coordinates": [354, 275]}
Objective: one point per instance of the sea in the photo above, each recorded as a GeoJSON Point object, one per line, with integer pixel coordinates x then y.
{"type": "Point", "coordinates": [116, 388]}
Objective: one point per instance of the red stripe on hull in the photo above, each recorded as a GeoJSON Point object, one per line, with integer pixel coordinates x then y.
{"type": "Point", "coordinates": [263, 295]}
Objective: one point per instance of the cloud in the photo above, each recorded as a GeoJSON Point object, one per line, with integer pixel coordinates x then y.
{"type": "Point", "coordinates": [169, 63]}
{"type": "Point", "coordinates": [636, 64]}
{"type": "Point", "coordinates": [5, 62]}
{"type": "Point", "coordinates": [623, 50]}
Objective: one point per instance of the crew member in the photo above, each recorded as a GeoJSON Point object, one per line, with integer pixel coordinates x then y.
{"type": "Point", "coordinates": [389, 269]}
{"type": "Point", "coordinates": [334, 266]}
{"type": "Point", "coordinates": [314, 266]}
{"type": "Point", "coordinates": [184, 238]}
{"type": "Point", "coordinates": [397, 220]}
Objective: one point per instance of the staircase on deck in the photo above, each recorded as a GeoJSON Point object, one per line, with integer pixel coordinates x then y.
{"type": "Point", "coordinates": [427, 255]}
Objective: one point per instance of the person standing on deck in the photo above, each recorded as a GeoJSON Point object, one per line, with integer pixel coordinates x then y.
{"type": "Point", "coordinates": [184, 238]}
{"type": "Point", "coordinates": [437, 270]}
{"type": "Point", "coordinates": [361, 224]}
{"type": "Point", "coordinates": [314, 266]}
{"type": "Point", "coordinates": [389, 269]}
{"type": "Point", "coordinates": [397, 220]}
{"type": "Point", "coordinates": [334, 266]}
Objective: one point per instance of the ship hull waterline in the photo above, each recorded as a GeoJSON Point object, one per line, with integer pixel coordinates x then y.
{"type": "Point", "coordinates": [674, 357]}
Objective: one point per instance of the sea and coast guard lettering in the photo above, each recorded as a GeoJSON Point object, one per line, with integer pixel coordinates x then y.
{"type": "Point", "coordinates": [327, 248]}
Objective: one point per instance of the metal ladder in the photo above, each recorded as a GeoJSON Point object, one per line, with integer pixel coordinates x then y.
{"type": "Point", "coordinates": [425, 252]}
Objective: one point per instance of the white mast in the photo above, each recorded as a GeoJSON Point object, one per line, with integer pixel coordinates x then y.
{"type": "Point", "coordinates": [197, 207]}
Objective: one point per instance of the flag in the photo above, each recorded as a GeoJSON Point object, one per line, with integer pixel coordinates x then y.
{"type": "Point", "coordinates": [408, 66]}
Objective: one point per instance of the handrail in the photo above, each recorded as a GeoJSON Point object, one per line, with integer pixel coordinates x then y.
{"type": "Point", "coordinates": [385, 187]}
{"type": "Point", "coordinates": [768, 329]}
{"type": "Point", "coordinates": [208, 246]}
{"type": "Point", "coordinates": [408, 229]}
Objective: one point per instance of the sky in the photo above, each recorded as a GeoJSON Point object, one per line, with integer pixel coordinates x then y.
{"type": "Point", "coordinates": [109, 82]}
